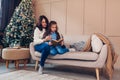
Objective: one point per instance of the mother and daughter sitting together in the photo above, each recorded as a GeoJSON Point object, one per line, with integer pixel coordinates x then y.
{"type": "Point", "coordinates": [45, 35]}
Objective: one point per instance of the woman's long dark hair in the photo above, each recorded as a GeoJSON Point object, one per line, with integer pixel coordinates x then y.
{"type": "Point", "coordinates": [48, 32]}
{"type": "Point", "coordinates": [39, 24]}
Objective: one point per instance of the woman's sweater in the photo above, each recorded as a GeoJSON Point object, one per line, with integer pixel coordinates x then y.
{"type": "Point", "coordinates": [38, 36]}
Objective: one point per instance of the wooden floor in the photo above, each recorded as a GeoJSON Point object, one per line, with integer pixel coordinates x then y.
{"type": "Point", "coordinates": [70, 72]}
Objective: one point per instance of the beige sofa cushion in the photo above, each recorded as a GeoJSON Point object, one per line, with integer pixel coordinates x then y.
{"type": "Point", "coordinates": [37, 54]}
{"type": "Point", "coordinates": [73, 55]}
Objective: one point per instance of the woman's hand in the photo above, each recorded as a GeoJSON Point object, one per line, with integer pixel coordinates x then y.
{"type": "Point", "coordinates": [47, 38]}
{"type": "Point", "coordinates": [50, 43]}
{"type": "Point", "coordinates": [62, 43]}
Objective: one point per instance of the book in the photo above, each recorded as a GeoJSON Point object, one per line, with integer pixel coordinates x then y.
{"type": "Point", "coordinates": [56, 42]}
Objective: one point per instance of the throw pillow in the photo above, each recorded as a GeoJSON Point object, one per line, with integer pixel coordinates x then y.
{"type": "Point", "coordinates": [96, 44]}
{"type": "Point", "coordinates": [78, 45]}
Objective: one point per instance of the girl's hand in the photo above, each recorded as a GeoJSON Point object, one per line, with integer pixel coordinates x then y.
{"type": "Point", "coordinates": [50, 43]}
{"type": "Point", "coordinates": [47, 38]}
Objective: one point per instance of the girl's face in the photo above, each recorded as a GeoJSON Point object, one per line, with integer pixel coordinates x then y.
{"type": "Point", "coordinates": [53, 27]}
{"type": "Point", "coordinates": [44, 24]}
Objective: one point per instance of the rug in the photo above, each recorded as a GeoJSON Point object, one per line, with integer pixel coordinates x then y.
{"type": "Point", "coordinates": [29, 75]}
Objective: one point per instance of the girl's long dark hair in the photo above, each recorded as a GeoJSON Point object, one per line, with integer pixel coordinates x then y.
{"type": "Point", "coordinates": [39, 24]}
{"type": "Point", "coordinates": [48, 32]}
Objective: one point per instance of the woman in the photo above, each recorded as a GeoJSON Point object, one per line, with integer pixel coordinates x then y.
{"type": "Point", "coordinates": [40, 44]}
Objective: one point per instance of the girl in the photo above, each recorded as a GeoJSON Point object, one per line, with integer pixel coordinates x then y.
{"type": "Point", "coordinates": [53, 32]}
{"type": "Point", "coordinates": [40, 42]}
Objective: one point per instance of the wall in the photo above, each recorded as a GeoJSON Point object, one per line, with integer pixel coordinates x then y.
{"type": "Point", "coordinates": [83, 17]}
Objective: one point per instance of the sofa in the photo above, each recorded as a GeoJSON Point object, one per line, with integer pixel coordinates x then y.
{"type": "Point", "coordinates": [88, 59]}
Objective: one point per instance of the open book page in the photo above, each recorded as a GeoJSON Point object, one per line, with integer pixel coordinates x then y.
{"type": "Point", "coordinates": [56, 42]}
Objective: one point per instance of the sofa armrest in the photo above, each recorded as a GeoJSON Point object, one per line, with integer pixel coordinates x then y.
{"type": "Point", "coordinates": [32, 51]}
{"type": "Point", "coordinates": [102, 56]}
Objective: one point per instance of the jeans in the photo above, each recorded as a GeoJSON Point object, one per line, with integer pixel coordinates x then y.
{"type": "Point", "coordinates": [44, 49]}
{"type": "Point", "coordinates": [58, 50]}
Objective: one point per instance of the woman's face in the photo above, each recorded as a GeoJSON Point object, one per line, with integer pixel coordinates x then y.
{"type": "Point", "coordinates": [53, 27]}
{"type": "Point", "coordinates": [44, 24]}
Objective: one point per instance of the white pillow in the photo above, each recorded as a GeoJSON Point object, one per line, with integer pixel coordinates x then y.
{"type": "Point", "coordinates": [96, 44]}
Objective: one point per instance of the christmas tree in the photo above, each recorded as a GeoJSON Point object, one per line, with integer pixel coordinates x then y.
{"type": "Point", "coordinates": [20, 29]}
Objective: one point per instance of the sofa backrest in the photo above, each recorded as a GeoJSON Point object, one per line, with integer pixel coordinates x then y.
{"type": "Point", "coordinates": [70, 39]}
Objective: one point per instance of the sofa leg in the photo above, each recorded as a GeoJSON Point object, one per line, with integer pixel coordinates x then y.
{"type": "Point", "coordinates": [36, 65]}
{"type": "Point", "coordinates": [97, 73]}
